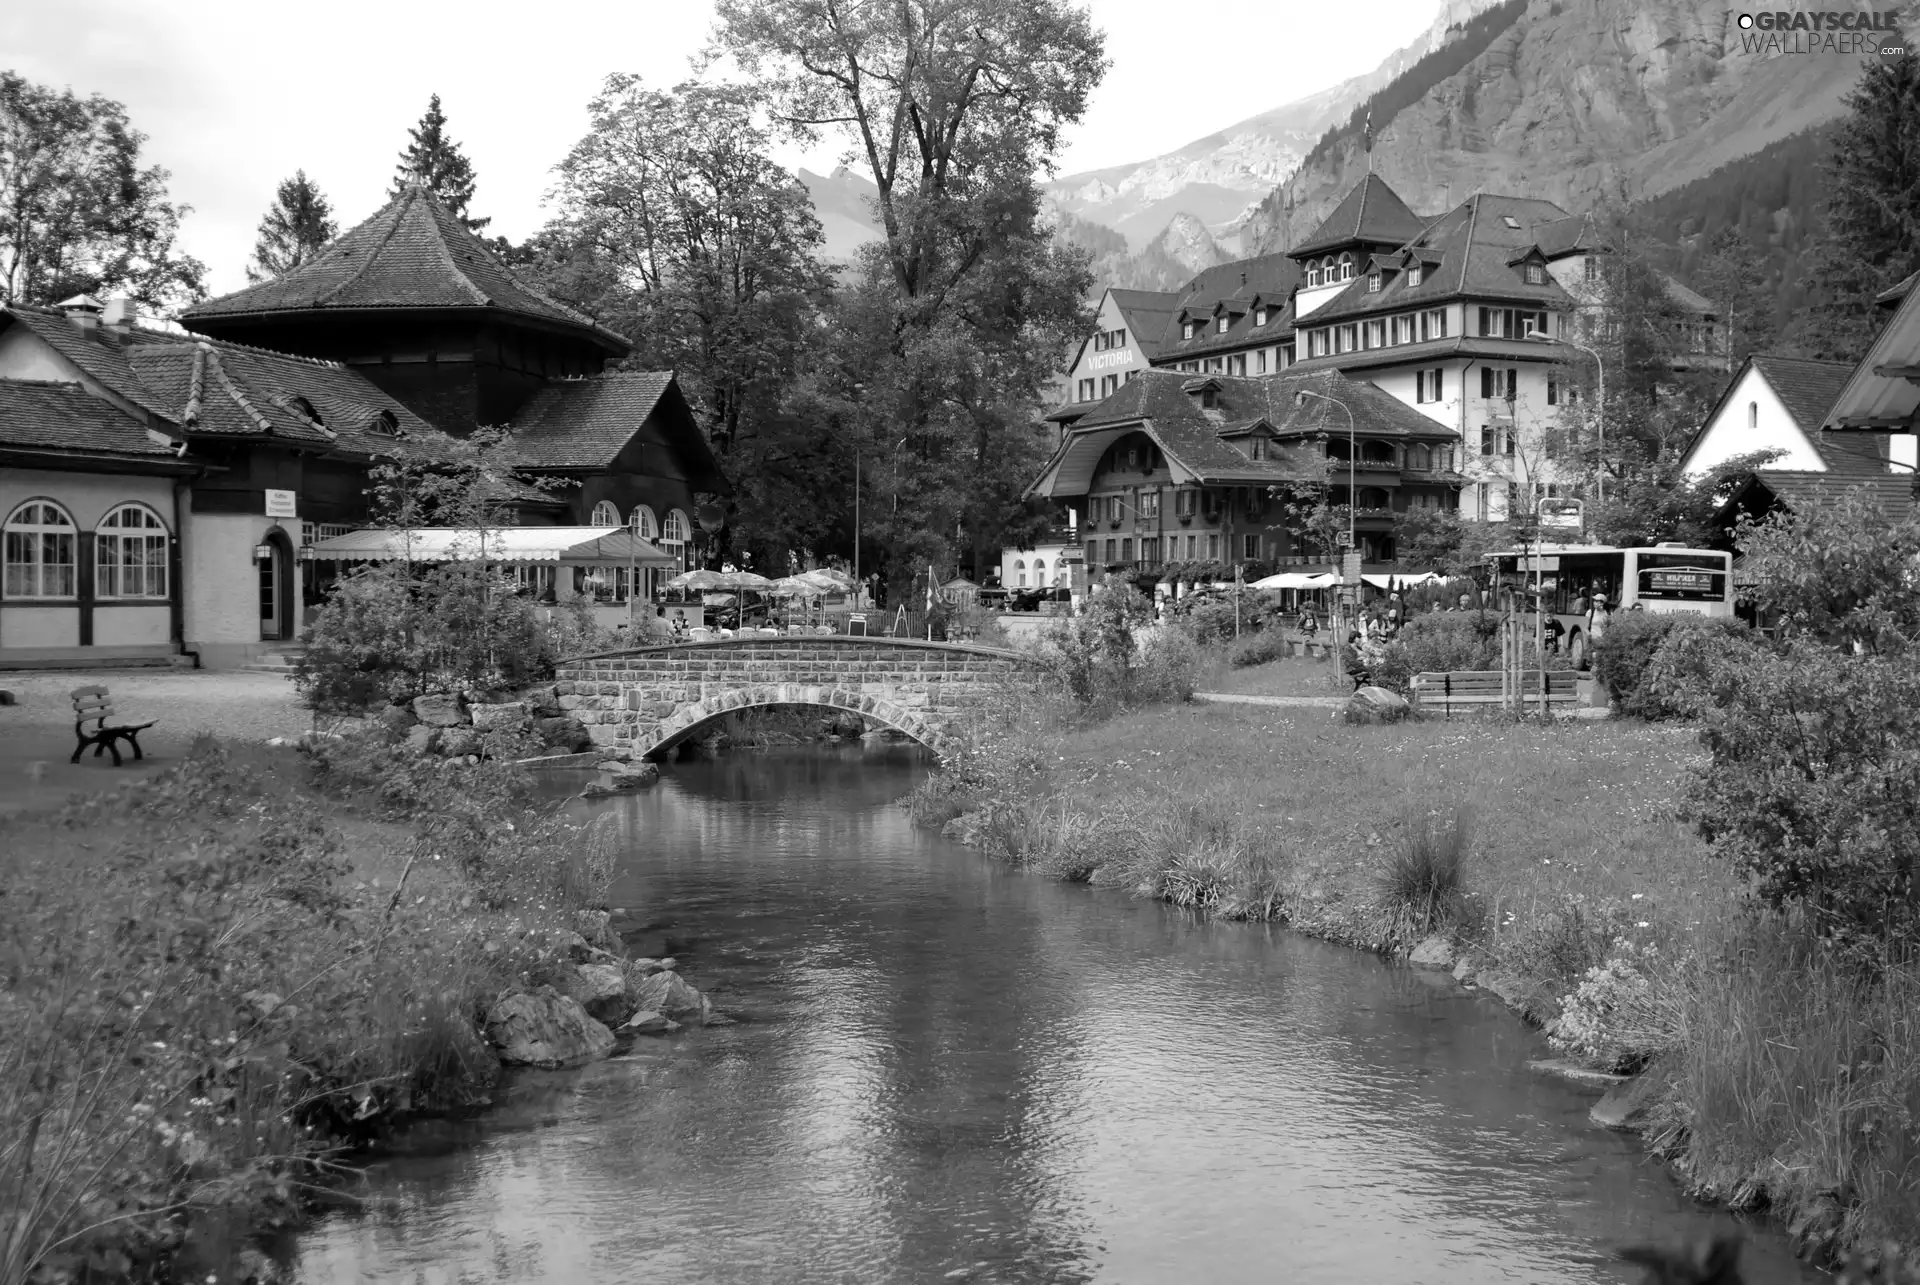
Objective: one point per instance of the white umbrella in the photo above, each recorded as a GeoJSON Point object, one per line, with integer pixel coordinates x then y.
{"type": "Point", "coordinates": [700, 580]}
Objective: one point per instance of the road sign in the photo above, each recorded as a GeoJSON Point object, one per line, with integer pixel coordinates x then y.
{"type": "Point", "coordinates": [1562, 513]}
{"type": "Point", "coordinates": [1350, 569]}
{"type": "Point", "coordinates": [1344, 539]}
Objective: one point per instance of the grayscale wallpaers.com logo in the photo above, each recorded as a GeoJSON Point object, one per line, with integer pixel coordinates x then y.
{"type": "Point", "coordinates": [1860, 33]}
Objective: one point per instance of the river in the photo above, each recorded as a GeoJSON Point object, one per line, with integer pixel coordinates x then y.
{"type": "Point", "coordinates": [948, 1070]}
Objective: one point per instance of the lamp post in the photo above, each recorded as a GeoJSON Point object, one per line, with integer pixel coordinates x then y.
{"type": "Point", "coordinates": [1600, 416]}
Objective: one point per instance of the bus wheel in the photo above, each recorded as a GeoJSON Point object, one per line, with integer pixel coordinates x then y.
{"type": "Point", "coordinates": [1577, 649]}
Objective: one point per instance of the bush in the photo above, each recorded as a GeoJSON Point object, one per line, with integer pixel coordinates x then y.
{"type": "Point", "coordinates": [1211, 616]}
{"type": "Point", "coordinates": [1680, 680]}
{"type": "Point", "coordinates": [1621, 656]}
{"type": "Point", "coordinates": [1814, 766]}
{"type": "Point", "coordinates": [1096, 656]}
{"type": "Point", "coordinates": [1626, 1011]}
{"type": "Point", "coordinates": [1436, 642]}
{"type": "Point", "coordinates": [1259, 649]}
{"type": "Point", "coordinates": [1169, 661]}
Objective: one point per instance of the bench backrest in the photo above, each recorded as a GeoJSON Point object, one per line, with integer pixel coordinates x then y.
{"type": "Point", "coordinates": [1559, 681]}
{"type": "Point", "coordinates": [91, 703]}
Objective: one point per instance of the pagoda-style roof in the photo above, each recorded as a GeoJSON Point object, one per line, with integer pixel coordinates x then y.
{"type": "Point", "coordinates": [1372, 213]}
{"type": "Point", "coordinates": [413, 256]}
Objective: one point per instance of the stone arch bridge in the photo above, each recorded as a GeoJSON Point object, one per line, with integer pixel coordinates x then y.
{"type": "Point", "coordinates": [650, 699]}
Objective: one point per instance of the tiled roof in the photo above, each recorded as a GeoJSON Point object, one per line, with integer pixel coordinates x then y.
{"type": "Point", "coordinates": [1197, 445]}
{"type": "Point", "coordinates": [586, 423]}
{"type": "Point", "coordinates": [412, 254]}
{"type": "Point", "coordinates": [1686, 296]}
{"type": "Point", "coordinates": [66, 417]}
{"type": "Point", "coordinates": [1805, 387]}
{"type": "Point", "coordinates": [1158, 395]}
{"type": "Point", "coordinates": [1148, 314]}
{"type": "Point", "coordinates": [1371, 212]}
{"type": "Point", "coordinates": [1475, 246]}
{"type": "Point", "coordinates": [1269, 279]}
{"type": "Point", "coordinates": [1802, 492]}
{"type": "Point", "coordinates": [1560, 237]}
{"type": "Point", "coordinates": [100, 353]}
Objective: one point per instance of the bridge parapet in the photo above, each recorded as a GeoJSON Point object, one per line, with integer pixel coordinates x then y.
{"type": "Point", "coordinates": [646, 700]}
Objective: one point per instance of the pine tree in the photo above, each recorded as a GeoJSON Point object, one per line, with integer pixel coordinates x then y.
{"type": "Point", "coordinates": [1871, 234]}
{"type": "Point", "coordinates": [1735, 276]}
{"type": "Point", "coordinates": [437, 160]}
{"type": "Point", "coordinates": [294, 230]}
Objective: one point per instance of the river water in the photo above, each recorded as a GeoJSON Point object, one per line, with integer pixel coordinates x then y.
{"type": "Point", "coordinates": [947, 1070]}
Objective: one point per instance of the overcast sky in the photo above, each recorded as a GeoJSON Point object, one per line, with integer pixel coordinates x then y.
{"type": "Point", "coordinates": [236, 96]}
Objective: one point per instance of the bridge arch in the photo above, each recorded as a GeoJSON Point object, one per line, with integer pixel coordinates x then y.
{"type": "Point", "coordinates": [689, 719]}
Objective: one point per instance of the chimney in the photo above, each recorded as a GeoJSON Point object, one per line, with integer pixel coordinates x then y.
{"type": "Point", "coordinates": [120, 314]}
{"type": "Point", "coordinates": [83, 310]}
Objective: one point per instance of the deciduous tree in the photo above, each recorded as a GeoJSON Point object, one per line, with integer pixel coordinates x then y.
{"type": "Point", "coordinates": [78, 212]}
{"type": "Point", "coordinates": [297, 227]}
{"type": "Point", "coordinates": [952, 107]}
{"type": "Point", "coordinates": [431, 157]}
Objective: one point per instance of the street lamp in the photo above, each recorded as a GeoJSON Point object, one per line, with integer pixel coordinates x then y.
{"type": "Point", "coordinates": [1353, 496]}
{"type": "Point", "coordinates": [1600, 416]}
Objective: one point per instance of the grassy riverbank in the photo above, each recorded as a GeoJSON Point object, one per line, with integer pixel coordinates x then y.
{"type": "Point", "coordinates": [1552, 862]}
{"type": "Point", "coordinates": [219, 978]}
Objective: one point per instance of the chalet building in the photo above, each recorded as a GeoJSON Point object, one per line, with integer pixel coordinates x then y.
{"type": "Point", "coordinates": [157, 487]}
{"type": "Point", "coordinates": [1131, 325]}
{"type": "Point", "coordinates": [1175, 467]}
{"type": "Point", "coordinates": [1843, 429]}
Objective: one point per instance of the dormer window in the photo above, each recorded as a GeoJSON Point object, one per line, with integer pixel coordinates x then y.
{"type": "Point", "coordinates": [1331, 269]}
{"type": "Point", "coordinates": [1313, 275]}
{"type": "Point", "coordinates": [305, 408]}
{"type": "Point", "coordinates": [1373, 283]}
{"type": "Point", "coordinates": [1259, 316]}
{"type": "Point", "coordinates": [1346, 267]}
{"type": "Point", "coordinates": [1257, 448]}
{"type": "Point", "coordinates": [1221, 325]}
{"type": "Point", "coordinates": [1536, 274]}
{"type": "Point", "coordinates": [1186, 330]}
{"type": "Point", "coordinates": [1414, 274]}
{"type": "Point", "coordinates": [384, 425]}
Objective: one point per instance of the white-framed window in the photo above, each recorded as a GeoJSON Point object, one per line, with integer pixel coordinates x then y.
{"type": "Point", "coordinates": [1346, 266]}
{"type": "Point", "coordinates": [676, 537]}
{"type": "Point", "coordinates": [1433, 324]}
{"type": "Point", "coordinates": [1040, 572]}
{"type": "Point", "coordinates": [1260, 362]}
{"type": "Point", "coordinates": [1313, 275]}
{"type": "Point", "coordinates": [130, 554]}
{"type": "Point", "coordinates": [1259, 316]}
{"type": "Point", "coordinates": [40, 548]}
{"type": "Point", "coordinates": [605, 513]}
{"type": "Point", "coordinates": [1429, 385]}
{"type": "Point", "coordinates": [1186, 330]}
{"type": "Point", "coordinates": [1086, 390]}
{"type": "Point", "coordinates": [1319, 343]}
{"type": "Point", "coordinates": [1109, 384]}
{"type": "Point", "coordinates": [1536, 275]}
{"type": "Point", "coordinates": [1403, 329]}
{"type": "Point", "coordinates": [1220, 326]}
{"type": "Point", "coordinates": [643, 523]}
{"type": "Point", "coordinates": [1375, 335]}
{"type": "Point", "coordinates": [1019, 573]}
{"type": "Point", "coordinates": [1414, 274]}
{"type": "Point", "coordinates": [1237, 364]}
{"type": "Point", "coordinates": [1349, 339]}
{"type": "Point", "coordinates": [1250, 548]}
{"type": "Point", "coordinates": [1373, 283]}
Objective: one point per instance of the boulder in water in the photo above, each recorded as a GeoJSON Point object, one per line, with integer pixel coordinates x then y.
{"type": "Point", "coordinates": [601, 989]}
{"type": "Point", "coordinates": [544, 1028]}
{"type": "Point", "coordinates": [647, 1022]}
{"type": "Point", "coordinates": [1435, 952]}
{"type": "Point", "coordinates": [666, 993]}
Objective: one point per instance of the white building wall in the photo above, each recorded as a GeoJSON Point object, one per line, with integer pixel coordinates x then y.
{"type": "Point", "coordinates": [1113, 362]}
{"type": "Point", "coordinates": [1012, 561]}
{"type": "Point", "coordinates": [87, 498]}
{"type": "Point", "coordinates": [222, 608]}
{"type": "Point", "coordinates": [1752, 419]}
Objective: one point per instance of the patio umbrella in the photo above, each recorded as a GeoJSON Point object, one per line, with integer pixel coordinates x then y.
{"type": "Point", "coordinates": [841, 581]}
{"type": "Point", "coordinates": [699, 581]}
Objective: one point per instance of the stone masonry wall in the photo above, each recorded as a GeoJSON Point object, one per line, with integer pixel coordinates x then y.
{"type": "Point", "coordinates": [645, 700]}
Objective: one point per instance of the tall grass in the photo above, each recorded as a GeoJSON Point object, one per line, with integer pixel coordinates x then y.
{"type": "Point", "coordinates": [1422, 882]}
{"type": "Point", "coordinates": [215, 980]}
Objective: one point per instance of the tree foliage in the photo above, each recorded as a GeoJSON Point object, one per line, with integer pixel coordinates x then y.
{"type": "Point", "coordinates": [1733, 273]}
{"type": "Point", "coordinates": [687, 238]}
{"type": "Point", "coordinates": [958, 317]}
{"type": "Point", "coordinates": [296, 228]}
{"type": "Point", "coordinates": [433, 158]}
{"type": "Point", "coordinates": [1845, 573]}
{"type": "Point", "coordinates": [78, 212]}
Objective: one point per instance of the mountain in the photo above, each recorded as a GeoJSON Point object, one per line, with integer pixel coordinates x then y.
{"type": "Point", "coordinates": [1216, 179]}
{"type": "Point", "coordinates": [843, 202]}
{"type": "Point", "coordinates": [1581, 102]}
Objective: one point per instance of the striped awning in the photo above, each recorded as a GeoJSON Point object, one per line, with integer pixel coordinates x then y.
{"type": "Point", "coordinates": [596, 546]}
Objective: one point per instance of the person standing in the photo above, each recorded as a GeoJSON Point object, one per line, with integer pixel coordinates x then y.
{"type": "Point", "coordinates": [1598, 618]}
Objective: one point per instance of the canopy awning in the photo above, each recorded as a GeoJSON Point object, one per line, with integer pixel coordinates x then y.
{"type": "Point", "coordinates": [1398, 582]}
{"type": "Point", "coordinates": [596, 546]}
{"type": "Point", "coordinates": [1291, 580]}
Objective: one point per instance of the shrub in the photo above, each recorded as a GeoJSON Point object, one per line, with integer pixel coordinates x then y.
{"type": "Point", "coordinates": [1625, 1012]}
{"type": "Point", "coordinates": [1814, 764]}
{"type": "Point", "coordinates": [1438, 642]}
{"type": "Point", "coordinates": [1169, 661]}
{"type": "Point", "coordinates": [1421, 884]}
{"type": "Point", "coordinates": [1621, 656]}
{"type": "Point", "coordinates": [1259, 649]}
{"type": "Point", "coordinates": [1686, 668]}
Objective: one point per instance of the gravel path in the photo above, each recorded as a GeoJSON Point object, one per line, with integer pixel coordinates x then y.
{"type": "Point", "coordinates": [36, 731]}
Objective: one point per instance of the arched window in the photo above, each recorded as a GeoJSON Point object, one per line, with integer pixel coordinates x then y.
{"type": "Point", "coordinates": [1330, 270]}
{"type": "Point", "coordinates": [1313, 275]}
{"type": "Point", "coordinates": [40, 540]}
{"type": "Point", "coordinates": [305, 408]}
{"type": "Point", "coordinates": [1418, 457]}
{"type": "Point", "coordinates": [643, 524]}
{"type": "Point", "coordinates": [1346, 267]}
{"type": "Point", "coordinates": [676, 535]}
{"type": "Point", "coordinates": [130, 554]}
{"type": "Point", "coordinates": [1376, 453]}
{"type": "Point", "coordinates": [1040, 572]}
{"type": "Point", "coordinates": [1753, 414]}
{"type": "Point", "coordinates": [384, 425]}
{"type": "Point", "coordinates": [605, 513]}
{"type": "Point", "coordinates": [1019, 573]}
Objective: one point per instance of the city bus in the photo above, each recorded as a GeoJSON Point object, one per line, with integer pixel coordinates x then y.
{"type": "Point", "coordinates": [1663, 578]}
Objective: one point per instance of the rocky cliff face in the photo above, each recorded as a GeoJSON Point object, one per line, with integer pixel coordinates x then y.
{"type": "Point", "coordinates": [1581, 101]}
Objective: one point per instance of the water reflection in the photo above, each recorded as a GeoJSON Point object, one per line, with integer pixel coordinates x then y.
{"type": "Point", "coordinates": [950, 1071]}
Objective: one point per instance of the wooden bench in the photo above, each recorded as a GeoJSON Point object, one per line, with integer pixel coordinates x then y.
{"type": "Point", "coordinates": [90, 705]}
{"type": "Point", "coordinates": [1480, 688]}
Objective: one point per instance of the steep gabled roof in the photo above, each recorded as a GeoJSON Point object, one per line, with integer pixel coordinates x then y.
{"type": "Point", "coordinates": [1475, 244]}
{"type": "Point", "coordinates": [1560, 237]}
{"type": "Point", "coordinates": [586, 423]}
{"type": "Point", "coordinates": [1807, 388]}
{"type": "Point", "coordinates": [1267, 279]}
{"type": "Point", "coordinates": [1148, 313]}
{"type": "Point", "coordinates": [1371, 212]}
{"type": "Point", "coordinates": [101, 354]}
{"type": "Point", "coordinates": [413, 255]}
{"type": "Point", "coordinates": [67, 418]}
